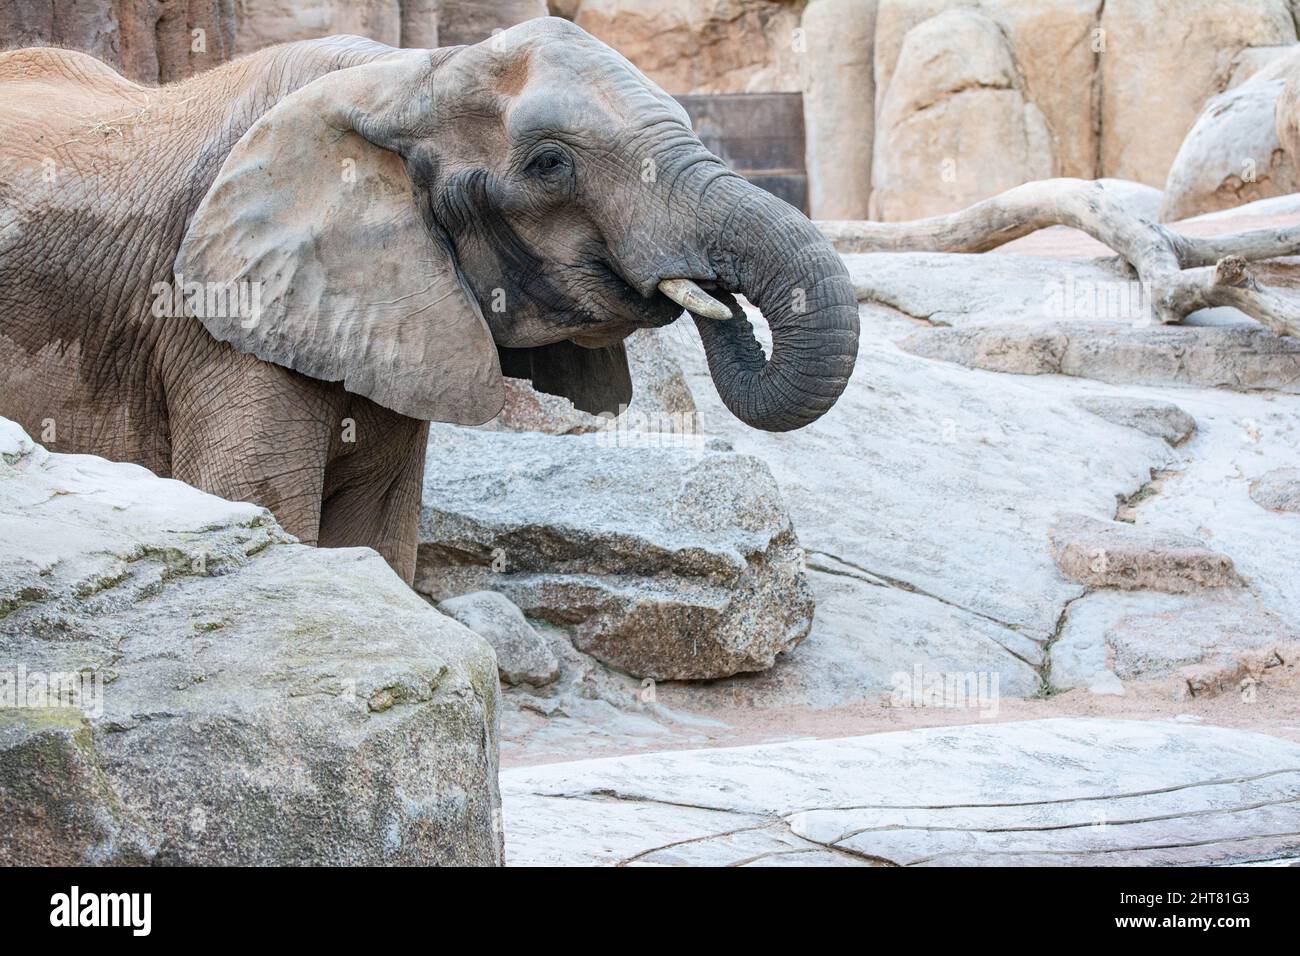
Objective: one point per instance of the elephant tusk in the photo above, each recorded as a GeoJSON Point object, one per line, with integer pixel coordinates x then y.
{"type": "Point", "coordinates": [694, 299]}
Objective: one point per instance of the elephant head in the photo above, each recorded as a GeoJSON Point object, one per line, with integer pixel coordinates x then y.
{"type": "Point", "coordinates": [425, 221]}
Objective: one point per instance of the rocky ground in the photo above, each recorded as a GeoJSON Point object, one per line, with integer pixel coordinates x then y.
{"type": "Point", "coordinates": [1063, 515]}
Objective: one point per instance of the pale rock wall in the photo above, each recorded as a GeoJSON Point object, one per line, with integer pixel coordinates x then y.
{"type": "Point", "coordinates": [838, 106]}
{"type": "Point", "coordinates": [700, 46]}
{"type": "Point", "coordinates": [1031, 90]}
{"type": "Point", "coordinates": [149, 41]}
{"type": "Point", "coordinates": [955, 122]}
{"type": "Point", "coordinates": [264, 22]}
{"type": "Point", "coordinates": [469, 21]}
{"type": "Point", "coordinates": [1163, 59]}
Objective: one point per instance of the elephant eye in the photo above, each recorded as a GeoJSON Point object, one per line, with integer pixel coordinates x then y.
{"type": "Point", "coordinates": [547, 162]}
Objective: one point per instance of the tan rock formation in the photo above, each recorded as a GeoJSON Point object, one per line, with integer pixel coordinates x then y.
{"type": "Point", "coordinates": [1161, 62]}
{"type": "Point", "coordinates": [700, 46]}
{"type": "Point", "coordinates": [838, 105]}
{"type": "Point", "coordinates": [150, 43]}
{"type": "Point", "coordinates": [1232, 155]}
{"type": "Point", "coordinates": [955, 123]}
{"type": "Point", "coordinates": [264, 22]}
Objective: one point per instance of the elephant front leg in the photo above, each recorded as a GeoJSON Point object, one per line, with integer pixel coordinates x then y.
{"type": "Point", "coordinates": [373, 484]}
{"type": "Point", "coordinates": [249, 431]}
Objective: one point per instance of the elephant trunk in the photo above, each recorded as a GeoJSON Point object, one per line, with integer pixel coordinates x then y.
{"type": "Point", "coordinates": [767, 250]}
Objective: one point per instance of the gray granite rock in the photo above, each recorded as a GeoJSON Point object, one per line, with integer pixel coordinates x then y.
{"type": "Point", "coordinates": [1111, 554]}
{"type": "Point", "coordinates": [523, 656]}
{"type": "Point", "coordinates": [663, 562]}
{"type": "Point", "coordinates": [1277, 490]}
{"type": "Point", "coordinates": [240, 698]}
{"type": "Point", "coordinates": [1202, 644]}
{"type": "Point", "coordinates": [1159, 419]}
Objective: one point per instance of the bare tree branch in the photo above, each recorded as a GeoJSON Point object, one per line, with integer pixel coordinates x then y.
{"type": "Point", "coordinates": [1171, 266]}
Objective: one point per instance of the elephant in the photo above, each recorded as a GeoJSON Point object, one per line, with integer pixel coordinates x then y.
{"type": "Point", "coordinates": [266, 280]}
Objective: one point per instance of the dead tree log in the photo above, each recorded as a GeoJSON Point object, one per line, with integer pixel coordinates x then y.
{"type": "Point", "coordinates": [1180, 273]}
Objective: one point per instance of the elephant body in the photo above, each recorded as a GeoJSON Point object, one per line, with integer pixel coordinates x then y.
{"type": "Point", "coordinates": [412, 224]}
{"type": "Point", "coordinates": [108, 176]}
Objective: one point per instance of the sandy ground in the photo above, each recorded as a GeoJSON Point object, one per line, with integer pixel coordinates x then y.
{"type": "Point", "coordinates": [1274, 709]}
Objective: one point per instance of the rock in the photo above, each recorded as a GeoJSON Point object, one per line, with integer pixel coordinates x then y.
{"type": "Point", "coordinates": [151, 43]}
{"type": "Point", "coordinates": [1277, 490]}
{"type": "Point", "coordinates": [1050, 792]}
{"type": "Point", "coordinates": [681, 563]}
{"type": "Point", "coordinates": [1160, 419]}
{"type": "Point", "coordinates": [470, 21]}
{"type": "Point", "coordinates": [954, 124]}
{"type": "Point", "coordinates": [267, 22]}
{"type": "Point", "coordinates": [243, 699]}
{"type": "Point", "coordinates": [1160, 64]}
{"type": "Point", "coordinates": [523, 657]}
{"type": "Point", "coordinates": [528, 410]}
{"type": "Point", "coordinates": [700, 46]}
{"type": "Point", "coordinates": [1287, 118]}
{"type": "Point", "coordinates": [1051, 43]}
{"type": "Point", "coordinates": [661, 399]}
{"type": "Point", "coordinates": [995, 289]}
{"type": "Point", "coordinates": [419, 24]}
{"type": "Point", "coordinates": [1231, 357]}
{"type": "Point", "coordinates": [1144, 636]}
{"type": "Point", "coordinates": [1108, 554]}
{"type": "Point", "coordinates": [838, 106]}
{"type": "Point", "coordinates": [1232, 154]}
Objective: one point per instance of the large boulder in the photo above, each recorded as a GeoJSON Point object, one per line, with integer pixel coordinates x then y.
{"type": "Point", "coordinates": [1233, 154]}
{"type": "Point", "coordinates": [240, 698]}
{"type": "Point", "coordinates": [1049, 45]}
{"type": "Point", "coordinates": [1162, 59]}
{"type": "Point", "coordinates": [699, 46]}
{"type": "Point", "coordinates": [664, 562]}
{"type": "Point", "coordinates": [954, 123]}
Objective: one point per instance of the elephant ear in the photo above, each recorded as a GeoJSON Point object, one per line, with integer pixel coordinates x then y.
{"type": "Point", "coordinates": [314, 230]}
{"type": "Point", "coordinates": [595, 380]}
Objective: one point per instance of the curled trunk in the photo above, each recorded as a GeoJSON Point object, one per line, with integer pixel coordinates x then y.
{"type": "Point", "coordinates": [768, 251]}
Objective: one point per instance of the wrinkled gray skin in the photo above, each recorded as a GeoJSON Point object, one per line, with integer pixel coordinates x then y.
{"type": "Point", "coordinates": [528, 157]}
